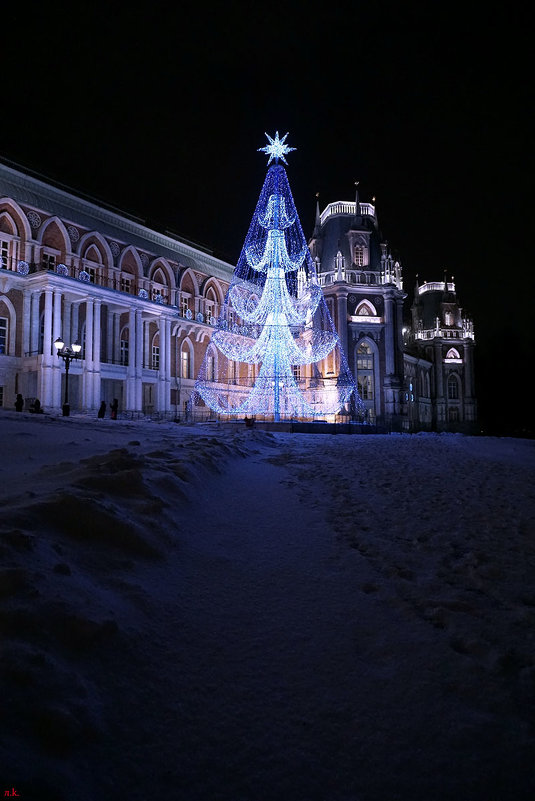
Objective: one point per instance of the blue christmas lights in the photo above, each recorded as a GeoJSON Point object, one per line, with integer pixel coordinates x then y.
{"type": "Point", "coordinates": [274, 333]}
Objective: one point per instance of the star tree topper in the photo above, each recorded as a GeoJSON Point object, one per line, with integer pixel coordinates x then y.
{"type": "Point", "coordinates": [276, 148]}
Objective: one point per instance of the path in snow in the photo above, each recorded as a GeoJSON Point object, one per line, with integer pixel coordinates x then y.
{"type": "Point", "coordinates": [303, 670]}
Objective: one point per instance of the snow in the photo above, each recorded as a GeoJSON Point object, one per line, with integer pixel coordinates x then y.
{"type": "Point", "coordinates": [218, 614]}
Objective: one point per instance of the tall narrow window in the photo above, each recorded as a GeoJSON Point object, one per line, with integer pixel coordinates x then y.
{"type": "Point", "coordinates": [453, 388]}
{"type": "Point", "coordinates": [185, 363]}
{"type": "Point", "coordinates": [210, 368]}
{"type": "Point", "coordinates": [3, 335]}
{"type": "Point", "coordinates": [155, 357]}
{"type": "Point", "coordinates": [365, 372]}
{"type": "Point", "coordinates": [124, 352]}
{"type": "Point", "coordinates": [359, 255]}
{"type": "Point", "coordinates": [4, 254]}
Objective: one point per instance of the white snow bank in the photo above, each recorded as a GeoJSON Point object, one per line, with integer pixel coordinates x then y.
{"type": "Point", "coordinates": [200, 613]}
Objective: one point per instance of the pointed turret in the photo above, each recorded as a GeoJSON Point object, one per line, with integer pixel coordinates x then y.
{"type": "Point", "coordinates": [358, 217]}
{"type": "Point", "coordinates": [317, 222]}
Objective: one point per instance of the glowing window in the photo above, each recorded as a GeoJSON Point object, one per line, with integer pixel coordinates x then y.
{"type": "Point", "coordinates": [365, 371]}
{"type": "Point", "coordinates": [185, 363]}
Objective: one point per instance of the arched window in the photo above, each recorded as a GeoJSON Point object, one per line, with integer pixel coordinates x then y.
{"type": "Point", "coordinates": [92, 264]}
{"type": "Point", "coordinates": [366, 309]}
{"type": "Point", "coordinates": [210, 367]}
{"type": "Point", "coordinates": [155, 352]}
{"type": "Point", "coordinates": [453, 355]}
{"type": "Point", "coordinates": [186, 360]}
{"type": "Point", "coordinates": [159, 290]}
{"type": "Point", "coordinates": [123, 346]}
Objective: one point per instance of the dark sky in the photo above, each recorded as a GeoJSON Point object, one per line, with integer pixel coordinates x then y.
{"type": "Point", "coordinates": [160, 111]}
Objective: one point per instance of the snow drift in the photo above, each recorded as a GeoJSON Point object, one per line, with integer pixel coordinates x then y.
{"type": "Point", "coordinates": [214, 613]}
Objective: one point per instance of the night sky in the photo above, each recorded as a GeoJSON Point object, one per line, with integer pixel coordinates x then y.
{"type": "Point", "coordinates": [160, 110]}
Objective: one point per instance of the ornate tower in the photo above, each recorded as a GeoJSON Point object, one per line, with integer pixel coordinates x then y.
{"type": "Point", "coordinates": [363, 288]}
{"type": "Point", "coordinates": [444, 336]}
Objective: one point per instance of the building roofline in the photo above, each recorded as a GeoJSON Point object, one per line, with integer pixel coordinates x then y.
{"type": "Point", "coordinates": [54, 190]}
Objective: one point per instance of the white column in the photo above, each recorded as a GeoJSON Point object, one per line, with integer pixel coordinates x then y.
{"type": "Point", "coordinates": [110, 318]}
{"type": "Point", "coordinates": [131, 369]}
{"type": "Point", "coordinates": [67, 328]}
{"type": "Point", "coordinates": [389, 335]}
{"type": "Point", "coordinates": [74, 327]}
{"type": "Point", "coordinates": [87, 379]}
{"type": "Point", "coordinates": [45, 381]}
{"type": "Point", "coordinates": [139, 361]}
{"type": "Point", "coordinates": [116, 337]}
{"type": "Point", "coordinates": [164, 372]}
{"type": "Point", "coordinates": [58, 363]}
{"type": "Point", "coordinates": [26, 321]}
{"type": "Point", "coordinates": [34, 328]}
{"type": "Point", "coordinates": [167, 404]}
{"type": "Point", "coordinates": [47, 335]}
{"type": "Point", "coordinates": [97, 306]}
{"type": "Point", "coordinates": [341, 302]}
{"type": "Point", "coordinates": [161, 367]}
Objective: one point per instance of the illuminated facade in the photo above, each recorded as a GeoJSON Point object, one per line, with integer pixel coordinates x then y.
{"type": "Point", "coordinates": [144, 306]}
{"type": "Point", "coordinates": [415, 374]}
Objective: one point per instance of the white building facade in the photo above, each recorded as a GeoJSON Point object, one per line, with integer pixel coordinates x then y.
{"type": "Point", "coordinates": [143, 306]}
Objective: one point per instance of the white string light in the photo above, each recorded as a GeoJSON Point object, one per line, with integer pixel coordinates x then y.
{"type": "Point", "coordinates": [274, 329]}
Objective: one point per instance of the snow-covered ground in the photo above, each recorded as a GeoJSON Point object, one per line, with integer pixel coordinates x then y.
{"type": "Point", "coordinates": [212, 614]}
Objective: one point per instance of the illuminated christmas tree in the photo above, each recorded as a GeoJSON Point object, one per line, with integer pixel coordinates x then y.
{"type": "Point", "coordinates": [275, 350]}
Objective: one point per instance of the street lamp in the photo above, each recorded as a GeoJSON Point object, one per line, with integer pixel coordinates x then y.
{"type": "Point", "coordinates": [67, 354]}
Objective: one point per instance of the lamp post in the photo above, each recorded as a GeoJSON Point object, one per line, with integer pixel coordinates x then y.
{"type": "Point", "coordinates": [67, 354]}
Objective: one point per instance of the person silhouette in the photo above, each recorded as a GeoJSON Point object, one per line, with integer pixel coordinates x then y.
{"type": "Point", "coordinates": [102, 410]}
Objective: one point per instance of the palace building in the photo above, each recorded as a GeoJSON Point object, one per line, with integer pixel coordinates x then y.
{"type": "Point", "coordinates": [142, 305]}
